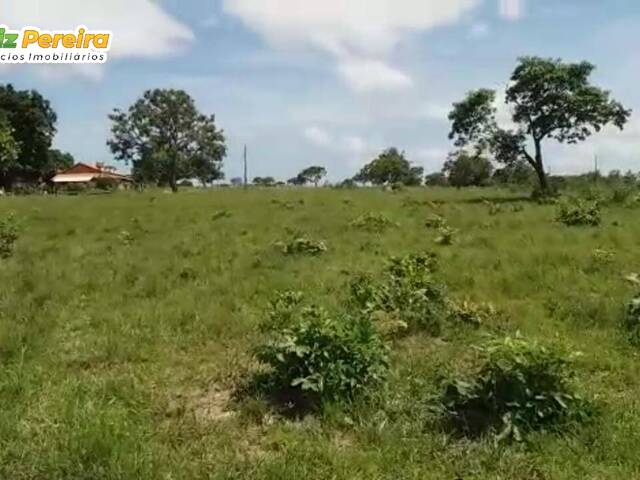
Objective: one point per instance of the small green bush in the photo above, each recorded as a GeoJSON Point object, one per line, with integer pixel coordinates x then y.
{"type": "Point", "coordinates": [373, 222]}
{"type": "Point", "coordinates": [435, 221]}
{"type": "Point", "coordinates": [302, 246]}
{"type": "Point", "coordinates": [470, 313]}
{"type": "Point", "coordinates": [579, 213]}
{"type": "Point", "coordinates": [9, 234]}
{"type": "Point", "coordinates": [406, 294]}
{"type": "Point", "coordinates": [519, 387]}
{"type": "Point", "coordinates": [220, 214]}
{"type": "Point", "coordinates": [316, 357]}
{"type": "Point", "coordinates": [631, 321]}
{"type": "Point", "coordinates": [446, 236]}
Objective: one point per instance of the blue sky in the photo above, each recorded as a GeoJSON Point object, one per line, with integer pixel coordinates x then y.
{"type": "Point", "coordinates": [331, 82]}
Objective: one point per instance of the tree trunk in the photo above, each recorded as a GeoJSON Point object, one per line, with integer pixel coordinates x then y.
{"type": "Point", "coordinates": [539, 168]}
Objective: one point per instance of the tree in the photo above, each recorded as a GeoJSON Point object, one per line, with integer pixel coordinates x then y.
{"type": "Point", "coordinates": [32, 122]}
{"type": "Point", "coordinates": [237, 181]}
{"type": "Point", "coordinates": [297, 181]}
{"type": "Point", "coordinates": [549, 99]}
{"type": "Point", "coordinates": [166, 138]}
{"type": "Point", "coordinates": [57, 161]}
{"type": "Point", "coordinates": [264, 181]}
{"type": "Point", "coordinates": [518, 172]}
{"type": "Point", "coordinates": [390, 167]}
{"type": "Point", "coordinates": [9, 149]}
{"type": "Point", "coordinates": [465, 170]}
{"type": "Point", "coordinates": [312, 175]}
{"type": "Point", "coordinates": [437, 179]}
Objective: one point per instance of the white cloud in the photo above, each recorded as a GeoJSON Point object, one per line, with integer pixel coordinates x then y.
{"type": "Point", "coordinates": [511, 9]}
{"type": "Point", "coordinates": [360, 35]}
{"type": "Point", "coordinates": [355, 144]}
{"type": "Point", "coordinates": [370, 75]}
{"type": "Point", "coordinates": [317, 136]}
{"type": "Point", "coordinates": [141, 28]}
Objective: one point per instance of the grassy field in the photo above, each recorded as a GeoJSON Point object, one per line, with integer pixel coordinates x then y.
{"type": "Point", "coordinates": [127, 321]}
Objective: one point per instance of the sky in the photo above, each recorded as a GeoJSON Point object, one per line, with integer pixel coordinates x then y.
{"type": "Point", "coordinates": [332, 82]}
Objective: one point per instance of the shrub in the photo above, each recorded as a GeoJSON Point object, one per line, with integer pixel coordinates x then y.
{"type": "Point", "coordinates": [373, 222]}
{"type": "Point", "coordinates": [407, 296]}
{"type": "Point", "coordinates": [220, 214]}
{"type": "Point", "coordinates": [631, 321]}
{"type": "Point", "coordinates": [435, 221]}
{"type": "Point", "coordinates": [470, 313]}
{"type": "Point", "coordinates": [446, 236]}
{"type": "Point", "coordinates": [105, 183]}
{"type": "Point", "coordinates": [9, 234]}
{"type": "Point", "coordinates": [519, 387]}
{"type": "Point", "coordinates": [316, 357]}
{"type": "Point", "coordinates": [302, 246]}
{"type": "Point", "coordinates": [579, 213]}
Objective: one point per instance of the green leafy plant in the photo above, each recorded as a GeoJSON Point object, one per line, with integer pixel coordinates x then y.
{"type": "Point", "coordinates": [406, 297]}
{"type": "Point", "coordinates": [301, 245]}
{"type": "Point", "coordinates": [446, 236]}
{"type": "Point", "coordinates": [220, 214]}
{"type": "Point", "coordinates": [519, 387]}
{"type": "Point", "coordinates": [435, 221]}
{"type": "Point", "coordinates": [315, 356]}
{"type": "Point", "coordinates": [631, 321]}
{"type": "Point", "coordinates": [373, 222]}
{"type": "Point", "coordinates": [578, 212]}
{"type": "Point", "coordinates": [470, 313]}
{"type": "Point", "coordinates": [9, 234]}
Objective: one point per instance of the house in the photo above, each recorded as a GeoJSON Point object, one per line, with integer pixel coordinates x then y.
{"type": "Point", "coordinates": [83, 174]}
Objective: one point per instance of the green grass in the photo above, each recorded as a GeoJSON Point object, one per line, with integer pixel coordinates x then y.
{"type": "Point", "coordinates": [126, 321]}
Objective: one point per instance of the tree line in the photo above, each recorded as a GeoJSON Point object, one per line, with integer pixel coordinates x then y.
{"type": "Point", "coordinates": [164, 138]}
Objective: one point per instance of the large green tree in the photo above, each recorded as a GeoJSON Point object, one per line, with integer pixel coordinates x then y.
{"type": "Point", "coordinates": [312, 174]}
{"type": "Point", "coordinates": [9, 149]}
{"type": "Point", "coordinates": [32, 121]}
{"type": "Point", "coordinates": [549, 99]}
{"type": "Point", "coordinates": [390, 167]}
{"type": "Point", "coordinates": [166, 138]}
{"type": "Point", "coordinates": [464, 169]}
{"type": "Point", "coordinates": [57, 161]}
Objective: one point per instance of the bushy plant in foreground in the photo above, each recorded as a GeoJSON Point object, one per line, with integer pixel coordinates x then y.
{"type": "Point", "coordinates": [446, 236]}
{"type": "Point", "coordinates": [407, 293]}
{"type": "Point", "coordinates": [631, 321]}
{"type": "Point", "coordinates": [579, 213]}
{"type": "Point", "coordinates": [9, 234]}
{"type": "Point", "coordinates": [373, 222]}
{"type": "Point", "coordinates": [300, 245]}
{"type": "Point", "coordinates": [316, 356]}
{"type": "Point", "coordinates": [435, 221]}
{"type": "Point", "coordinates": [470, 313]}
{"type": "Point", "coordinates": [519, 387]}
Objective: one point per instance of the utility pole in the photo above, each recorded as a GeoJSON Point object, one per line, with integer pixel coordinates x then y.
{"type": "Point", "coordinates": [246, 179]}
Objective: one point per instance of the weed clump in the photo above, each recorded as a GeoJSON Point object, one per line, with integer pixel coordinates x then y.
{"type": "Point", "coordinates": [220, 214]}
{"type": "Point", "coordinates": [470, 313]}
{"type": "Point", "coordinates": [373, 222]}
{"type": "Point", "coordinates": [315, 356]}
{"type": "Point", "coordinates": [301, 245]}
{"type": "Point", "coordinates": [579, 213]}
{"type": "Point", "coordinates": [407, 296]}
{"type": "Point", "coordinates": [520, 387]}
{"type": "Point", "coordinates": [446, 236]}
{"type": "Point", "coordinates": [631, 321]}
{"type": "Point", "coordinates": [9, 234]}
{"type": "Point", "coordinates": [435, 221]}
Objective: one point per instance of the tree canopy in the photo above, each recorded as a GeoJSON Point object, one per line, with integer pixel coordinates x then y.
{"type": "Point", "coordinates": [166, 138]}
{"type": "Point", "coordinates": [549, 99]}
{"type": "Point", "coordinates": [28, 118]}
{"type": "Point", "coordinates": [464, 169]}
{"type": "Point", "coordinates": [390, 167]}
{"type": "Point", "coordinates": [312, 174]}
